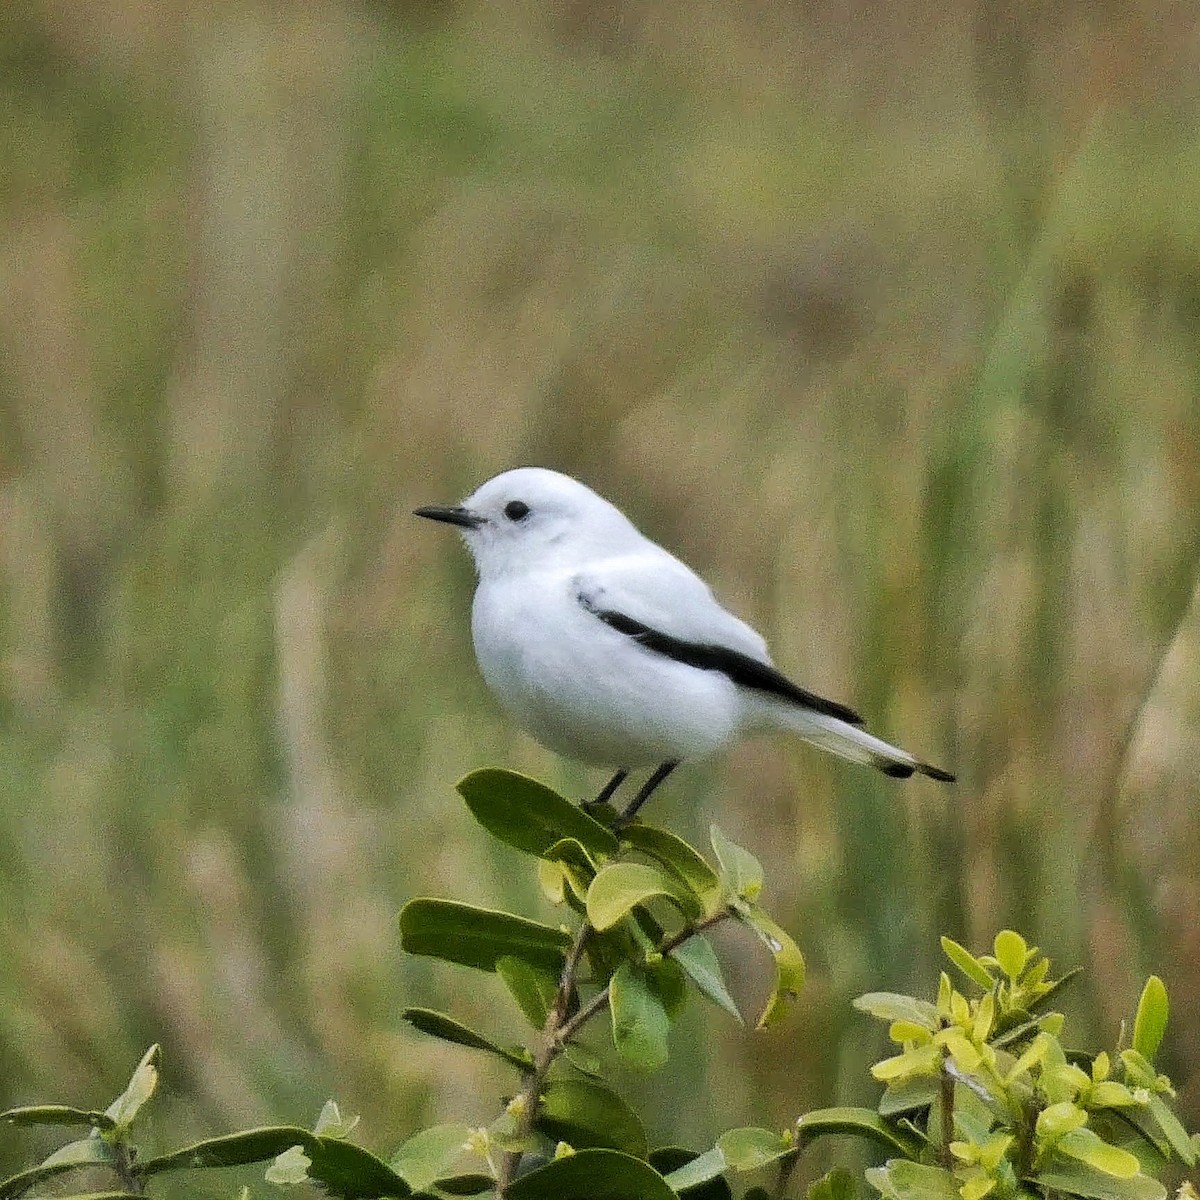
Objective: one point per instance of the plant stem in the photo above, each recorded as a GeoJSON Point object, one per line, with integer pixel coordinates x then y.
{"type": "Point", "coordinates": [559, 1030]}
{"type": "Point", "coordinates": [551, 1048]}
{"type": "Point", "coordinates": [946, 1098]}
{"type": "Point", "coordinates": [123, 1166]}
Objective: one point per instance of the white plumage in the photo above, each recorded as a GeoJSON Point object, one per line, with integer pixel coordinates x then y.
{"type": "Point", "coordinates": [609, 650]}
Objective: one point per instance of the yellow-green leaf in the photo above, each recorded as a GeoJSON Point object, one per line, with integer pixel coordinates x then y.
{"type": "Point", "coordinates": [620, 887]}
{"type": "Point", "coordinates": [1151, 1020]}
{"type": "Point", "coordinates": [1090, 1148]}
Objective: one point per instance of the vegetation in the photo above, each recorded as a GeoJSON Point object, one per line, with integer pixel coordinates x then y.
{"type": "Point", "coordinates": [883, 317]}
{"type": "Point", "coordinates": [982, 1099]}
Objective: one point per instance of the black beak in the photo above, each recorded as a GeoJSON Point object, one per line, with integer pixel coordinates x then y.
{"type": "Point", "coordinates": [451, 515]}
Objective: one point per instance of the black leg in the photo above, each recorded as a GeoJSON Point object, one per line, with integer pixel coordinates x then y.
{"type": "Point", "coordinates": [646, 791]}
{"type": "Point", "coordinates": [606, 792]}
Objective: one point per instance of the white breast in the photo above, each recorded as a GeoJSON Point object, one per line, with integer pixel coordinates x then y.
{"type": "Point", "coordinates": [583, 689]}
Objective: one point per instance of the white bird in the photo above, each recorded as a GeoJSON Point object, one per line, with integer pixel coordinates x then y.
{"type": "Point", "coordinates": [609, 650]}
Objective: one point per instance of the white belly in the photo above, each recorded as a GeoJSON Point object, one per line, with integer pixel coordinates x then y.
{"type": "Point", "coordinates": [590, 693]}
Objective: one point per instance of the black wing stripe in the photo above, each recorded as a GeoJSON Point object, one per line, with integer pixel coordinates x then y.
{"type": "Point", "coordinates": [741, 668]}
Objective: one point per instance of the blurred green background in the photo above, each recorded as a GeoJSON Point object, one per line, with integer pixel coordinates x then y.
{"type": "Point", "coordinates": [884, 317]}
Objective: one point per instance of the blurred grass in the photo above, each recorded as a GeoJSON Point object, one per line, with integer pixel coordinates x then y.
{"type": "Point", "coordinates": [884, 320]}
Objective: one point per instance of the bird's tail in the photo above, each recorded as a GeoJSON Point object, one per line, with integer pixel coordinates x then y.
{"type": "Point", "coordinates": [854, 743]}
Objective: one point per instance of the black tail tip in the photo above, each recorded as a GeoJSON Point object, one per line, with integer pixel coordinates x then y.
{"type": "Point", "coordinates": [936, 773]}
{"type": "Point", "coordinates": [903, 770]}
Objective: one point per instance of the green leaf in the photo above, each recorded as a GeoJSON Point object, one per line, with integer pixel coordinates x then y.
{"type": "Point", "coordinates": [331, 1123]}
{"type": "Point", "coordinates": [533, 988]}
{"type": "Point", "coordinates": [427, 1155]}
{"type": "Point", "coordinates": [697, 957]}
{"type": "Point", "coordinates": [620, 887]}
{"type": "Point", "coordinates": [860, 1122]}
{"type": "Point", "coordinates": [1078, 1179]}
{"type": "Point", "coordinates": [587, 1113]}
{"type": "Point", "coordinates": [438, 1025]}
{"type": "Point", "coordinates": [528, 815]}
{"type": "Point", "coordinates": [922, 1060]}
{"type": "Point", "coordinates": [838, 1184]}
{"type": "Point", "coordinates": [56, 1114]}
{"type": "Point", "coordinates": [477, 937]}
{"type": "Point", "coordinates": [908, 1095]}
{"type": "Point", "coordinates": [232, 1150]}
{"type": "Point", "coordinates": [87, 1152]}
{"type": "Point", "coordinates": [472, 1184]}
{"type": "Point", "coordinates": [351, 1172]}
{"type": "Point", "coordinates": [141, 1087]}
{"type": "Point", "coordinates": [789, 964]}
{"type": "Point", "coordinates": [1011, 951]}
{"type": "Point", "coordinates": [592, 1174]}
{"type": "Point", "coordinates": [1175, 1133]}
{"type": "Point", "coordinates": [904, 1180]}
{"type": "Point", "coordinates": [967, 963]}
{"type": "Point", "coordinates": [1052, 989]}
{"type": "Point", "coordinates": [639, 1019]}
{"type": "Point", "coordinates": [741, 872]}
{"type": "Point", "coordinates": [684, 862]}
{"type": "Point", "coordinates": [749, 1148]}
{"type": "Point", "coordinates": [1088, 1147]}
{"type": "Point", "coordinates": [1151, 1020]}
{"type": "Point", "coordinates": [892, 1006]}
{"type": "Point", "coordinates": [576, 865]}
{"type": "Point", "coordinates": [344, 1170]}
{"type": "Point", "coordinates": [696, 1175]}
{"type": "Point", "coordinates": [1059, 1119]}
{"type": "Point", "coordinates": [289, 1167]}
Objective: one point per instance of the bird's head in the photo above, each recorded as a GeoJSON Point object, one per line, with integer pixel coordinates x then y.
{"type": "Point", "coordinates": [532, 518]}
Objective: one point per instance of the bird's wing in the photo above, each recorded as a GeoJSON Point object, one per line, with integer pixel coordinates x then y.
{"type": "Point", "coordinates": [667, 608]}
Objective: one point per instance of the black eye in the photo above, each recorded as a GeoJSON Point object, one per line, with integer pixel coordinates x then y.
{"type": "Point", "coordinates": [516, 510]}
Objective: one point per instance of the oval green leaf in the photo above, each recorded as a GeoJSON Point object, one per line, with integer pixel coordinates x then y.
{"type": "Point", "coordinates": [56, 1114]}
{"type": "Point", "coordinates": [477, 937]}
{"type": "Point", "coordinates": [528, 815]}
{"type": "Point", "coordinates": [741, 872]}
{"type": "Point", "coordinates": [1011, 951]}
{"type": "Point", "coordinates": [1151, 1021]}
{"type": "Point", "coordinates": [687, 864]}
{"type": "Point", "coordinates": [639, 1019]}
{"type": "Point", "coordinates": [141, 1087]}
{"type": "Point", "coordinates": [1173, 1130]}
{"type": "Point", "coordinates": [575, 863]}
{"type": "Point", "coordinates": [87, 1152]}
{"type": "Point", "coordinates": [1088, 1147]}
{"type": "Point", "coordinates": [353, 1173]}
{"type": "Point", "coordinates": [472, 1184]}
{"type": "Point", "coordinates": [913, 1181]}
{"type": "Point", "coordinates": [838, 1184]}
{"type": "Point", "coordinates": [290, 1167]}
{"type": "Point", "coordinates": [438, 1025]}
{"type": "Point", "coordinates": [533, 988]}
{"type": "Point", "coordinates": [427, 1155]}
{"type": "Point", "coordinates": [593, 1174]}
{"type": "Point", "coordinates": [697, 957]}
{"type": "Point", "coordinates": [967, 963]}
{"type": "Point", "coordinates": [1078, 1179]}
{"type": "Point", "coordinates": [620, 887]}
{"type": "Point", "coordinates": [860, 1122]}
{"type": "Point", "coordinates": [749, 1148]}
{"type": "Point", "coordinates": [789, 964]}
{"type": "Point", "coordinates": [586, 1113]}
{"type": "Point", "coordinates": [342, 1169]}
{"type": "Point", "coordinates": [892, 1006]}
{"type": "Point", "coordinates": [232, 1150]}
{"type": "Point", "coordinates": [697, 1176]}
